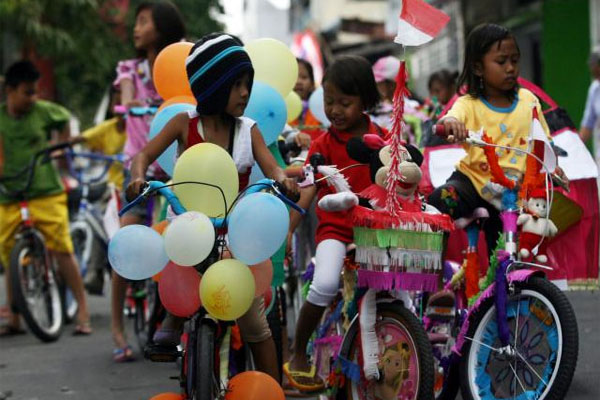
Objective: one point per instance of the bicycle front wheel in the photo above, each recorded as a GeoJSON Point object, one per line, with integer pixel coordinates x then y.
{"type": "Point", "coordinates": [35, 289]}
{"type": "Point", "coordinates": [405, 359]}
{"type": "Point", "coordinates": [543, 347]}
{"type": "Point", "coordinates": [206, 384]}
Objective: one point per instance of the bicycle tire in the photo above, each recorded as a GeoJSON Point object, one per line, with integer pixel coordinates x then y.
{"type": "Point", "coordinates": [563, 327]}
{"type": "Point", "coordinates": [33, 247]}
{"type": "Point", "coordinates": [205, 361]}
{"type": "Point", "coordinates": [274, 319]}
{"type": "Point", "coordinates": [388, 313]}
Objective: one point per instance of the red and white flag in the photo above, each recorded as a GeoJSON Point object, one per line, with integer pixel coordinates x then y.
{"type": "Point", "coordinates": [419, 23]}
{"type": "Point", "coordinates": [540, 144]}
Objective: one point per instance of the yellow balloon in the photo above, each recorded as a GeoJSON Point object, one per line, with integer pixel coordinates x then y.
{"type": "Point", "coordinates": [293, 102]}
{"type": "Point", "coordinates": [207, 163]}
{"type": "Point", "coordinates": [227, 289]}
{"type": "Point", "coordinates": [274, 64]}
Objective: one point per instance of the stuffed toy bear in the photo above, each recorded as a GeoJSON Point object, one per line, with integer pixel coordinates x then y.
{"type": "Point", "coordinates": [536, 226]}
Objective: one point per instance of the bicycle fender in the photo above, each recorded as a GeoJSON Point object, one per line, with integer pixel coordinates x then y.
{"type": "Point", "coordinates": [521, 275]}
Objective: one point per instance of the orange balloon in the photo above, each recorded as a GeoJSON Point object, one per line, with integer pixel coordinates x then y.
{"type": "Point", "coordinates": [177, 100]}
{"type": "Point", "coordinates": [169, 75]}
{"type": "Point", "coordinates": [263, 275]}
{"type": "Point", "coordinates": [253, 385]}
{"type": "Point", "coordinates": [168, 396]}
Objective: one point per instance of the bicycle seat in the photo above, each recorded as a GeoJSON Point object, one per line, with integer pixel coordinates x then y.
{"type": "Point", "coordinates": [479, 213]}
{"type": "Point", "coordinates": [96, 192]}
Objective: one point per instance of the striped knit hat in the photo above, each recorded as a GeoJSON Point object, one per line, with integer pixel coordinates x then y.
{"type": "Point", "coordinates": [213, 65]}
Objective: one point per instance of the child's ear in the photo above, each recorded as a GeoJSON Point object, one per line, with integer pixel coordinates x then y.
{"type": "Point", "coordinates": [415, 154]}
{"type": "Point", "coordinates": [358, 151]}
{"type": "Point", "coordinates": [478, 68]}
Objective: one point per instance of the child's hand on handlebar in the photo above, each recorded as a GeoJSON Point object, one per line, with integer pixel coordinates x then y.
{"type": "Point", "coordinates": [135, 103]}
{"type": "Point", "coordinates": [457, 132]}
{"type": "Point", "coordinates": [134, 188]}
{"type": "Point", "coordinates": [302, 140]}
{"type": "Point", "coordinates": [291, 188]}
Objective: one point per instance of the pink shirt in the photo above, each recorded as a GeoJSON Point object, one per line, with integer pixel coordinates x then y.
{"type": "Point", "coordinates": [138, 71]}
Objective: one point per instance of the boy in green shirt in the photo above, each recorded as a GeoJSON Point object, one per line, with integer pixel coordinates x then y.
{"type": "Point", "coordinates": [26, 125]}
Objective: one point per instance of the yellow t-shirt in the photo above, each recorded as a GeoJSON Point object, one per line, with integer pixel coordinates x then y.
{"type": "Point", "coordinates": [508, 126]}
{"type": "Point", "coordinates": [106, 138]}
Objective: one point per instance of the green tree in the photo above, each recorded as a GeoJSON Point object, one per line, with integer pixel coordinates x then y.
{"type": "Point", "coordinates": [78, 36]}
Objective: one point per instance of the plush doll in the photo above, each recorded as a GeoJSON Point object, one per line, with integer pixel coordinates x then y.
{"type": "Point", "coordinates": [535, 227]}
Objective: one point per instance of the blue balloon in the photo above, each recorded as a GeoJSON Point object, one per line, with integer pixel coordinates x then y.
{"type": "Point", "coordinates": [267, 108]}
{"type": "Point", "coordinates": [167, 159]}
{"type": "Point", "coordinates": [256, 174]}
{"type": "Point", "coordinates": [317, 106]}
{"type": "Point", "coordinates": [137, 252]}
{"type": "Point", "coordinates": [258, 225]}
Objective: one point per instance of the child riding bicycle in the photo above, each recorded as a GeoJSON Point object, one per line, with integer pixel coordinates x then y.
{"type": "Point", "coordinates": [26, 126]}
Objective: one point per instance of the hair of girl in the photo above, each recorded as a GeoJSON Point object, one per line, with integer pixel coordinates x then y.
{"type": "Point", "coordinates": [309, 68]}
{"type": "Point", "coordinates": [353, 75]}
{"type": "Point", "coordinates": [445, 77]}
{"type": "Point", "coordinates": [167, 21]}
{"type": "Point", "coordinates": [479, 42]}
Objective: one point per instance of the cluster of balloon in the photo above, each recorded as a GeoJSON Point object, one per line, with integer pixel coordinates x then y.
{"type": "Point", "coordinates": [317, 107]}
{"type": "Point", "coordinates": [275, 74]}
{"type": "Point", "coordinates": [253, 385]}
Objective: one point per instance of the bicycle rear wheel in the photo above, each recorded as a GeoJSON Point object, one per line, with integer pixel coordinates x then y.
{"type": "Point", "coordinates": [544, 343]}
{"type": "Point", "coordinates": [206, 384]}
{"type": "Point", "coordinates": [406, 361]}
{"type": "Point", "coordinates": [35, 289]}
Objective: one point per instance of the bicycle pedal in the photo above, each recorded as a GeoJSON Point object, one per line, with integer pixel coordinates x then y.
{"type": "Point", "coordinates": [156, 353]}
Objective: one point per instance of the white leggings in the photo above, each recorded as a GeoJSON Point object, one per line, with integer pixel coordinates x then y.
{"type": "Point", "coordinates": [326, 280]}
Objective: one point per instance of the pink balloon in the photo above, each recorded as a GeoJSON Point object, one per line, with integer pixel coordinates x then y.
{"type": "Point", "coordinates": [263, 275]}
{"type": "Point", "coordinates": [178, 290]}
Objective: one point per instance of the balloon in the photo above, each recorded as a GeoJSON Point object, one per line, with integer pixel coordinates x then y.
{"type": "Point", "coordinates": [316, 106]}
{"type": "Point", "coordinates": [293, 102]}
{"type": "Point", "coordinates": [263, 275]}
{"type": "Point", "coordinates": [267, 108]}
{"type": "Point", "coordinates": [253, 385]}
{"type": "Point", "coordinates": [255, 236]}
{"type": "Point", "coordinates": [189, 239]}
{"type": "Point", "coordinates": [274, 64]}
{"type": "Point", "coordinates": [168, 396]}
{"type": "Point", "coordinates": [137, 252]}
{"type": "Point", "coordinates": [178, 290]}
{"type": "Point", "coordinates": [177, 99]}
{"type": "Point", "coordinates": [227, 289]}
{"type": "Point", "coordinates": [207, 163]}
{"type": "Point", "coordinates": [169, 74]}
{"type": "Point", "coordinates": [167, 159]}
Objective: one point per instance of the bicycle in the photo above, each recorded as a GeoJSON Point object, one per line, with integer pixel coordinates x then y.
{"type": "Point", "coordinates": [36, 289]}
{"type": "Point", "coordinates": [519, 337]}
{"type": "Point", "coordinates": [206, 352]}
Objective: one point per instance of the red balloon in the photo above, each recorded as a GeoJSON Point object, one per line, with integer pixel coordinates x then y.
{"type": "Point", "coordinates": [178, 290]}
{"type": "Point", "coordinates": [263, 275]}
{"type": "Point", "coordinates": [168, 396]}
{"type": "Point", "coordinates": [253, 385]}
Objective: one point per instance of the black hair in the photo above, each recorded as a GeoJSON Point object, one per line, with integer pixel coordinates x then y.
{"type": "Point", "coordinates": [353, 75]}
{"type": "Point", "coordinates": [445, 77]}
{"type": "Point", "coordinates": [309, 68]}
{"type": "Point", "coordinates": [19, 72]}
{"type": "Point", "coordinates": [167, 21]}
{"type": "Point", "coordinates": [479, 42]}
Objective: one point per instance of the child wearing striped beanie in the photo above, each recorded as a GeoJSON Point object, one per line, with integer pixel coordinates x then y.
{"type": "Point", "coordinates": [213, 66]}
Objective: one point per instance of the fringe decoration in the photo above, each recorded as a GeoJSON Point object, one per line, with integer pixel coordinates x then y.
{"type": "Point", "coordinates": [490, 276]}
{"type": "Point", "coordinates": [368, 338]}
{"type": "Point", "coordinates": [495, 169]}
{"type": "Point", "coordinates": [396, 238]}
{"type": "Point", "coordinates": [414, 221]}
{"type": "Point", "coordinates": [472, 274]}
{"type": "Point", "coordinates": [394, 176]}
{"type": "Point", "coordinates": [398, 260]}
{"type": "Point", "coordinates": [334, 178]}
{"type": "Point", "coordinates": [378, 197]}
{"type": "Point", "coordinates": [380, 280]}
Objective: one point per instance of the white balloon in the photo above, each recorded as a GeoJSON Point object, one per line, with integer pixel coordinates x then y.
{"type": "Point", "coordinates": [189, 239]}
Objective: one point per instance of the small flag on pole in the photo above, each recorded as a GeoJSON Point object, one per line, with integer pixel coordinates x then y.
{"type": "Point", "coordinates": [541, 144]}
{"type": "Point", "coordinates": [419, 23]}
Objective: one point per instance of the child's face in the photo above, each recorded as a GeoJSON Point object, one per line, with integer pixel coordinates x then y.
{"type": "Point", "coordinates": [344, 111]}
{"type": "Point", "coordinates": [144, 31]}
{"type": "Point", "coordinates": [22, 97]}
{"type": "Point", "coordinates": [442, 92]}
{"type": "Point", "coordinates": [386, 89]}
{"type": "Point", "coordinates": [499, 67]}
{"type": "Point", "coordinates": [239, 95]}
{"type": "Point", "coordinates": [304, 85]}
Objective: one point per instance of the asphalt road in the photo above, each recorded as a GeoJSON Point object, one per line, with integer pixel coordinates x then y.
{"type": "Point", "coordinates": [82, 367]}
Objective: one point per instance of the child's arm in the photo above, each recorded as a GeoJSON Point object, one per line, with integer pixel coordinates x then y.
{"type": "Point", "coordinates": [128, 94]}
{"type": "Point", "coordinates": [267, 162]}
{"type": "Point", "coordinates": [175, 130]}
{"type": "Point", "coordinates": [457, 132]}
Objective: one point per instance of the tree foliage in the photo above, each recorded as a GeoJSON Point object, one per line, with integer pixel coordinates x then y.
{"type": "Point", "coordinates": [83, 44]}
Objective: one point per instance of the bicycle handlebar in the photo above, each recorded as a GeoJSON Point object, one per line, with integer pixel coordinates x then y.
{"type": "Point", "coordinates": [135, 111]}
{"type": "Point", "coordinates": [109, 160]}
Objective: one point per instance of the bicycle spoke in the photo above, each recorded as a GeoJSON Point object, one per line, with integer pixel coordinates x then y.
{"type": "Point", "coordinates": [482, 344]}
{"type": "Point", "coordinates": [531, 368]}
{"type": "Point", "coordinates": [518, 380]}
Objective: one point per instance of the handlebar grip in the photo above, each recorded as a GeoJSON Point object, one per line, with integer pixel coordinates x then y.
{"type": "Point", "coordinates": [440, 130]}
{"type": "Point", "coordinates": [317, 160]}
